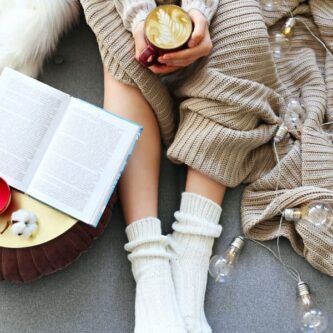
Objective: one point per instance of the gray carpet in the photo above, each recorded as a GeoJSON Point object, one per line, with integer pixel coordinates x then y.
{"type": "Point", "coordinates": [96, 294]}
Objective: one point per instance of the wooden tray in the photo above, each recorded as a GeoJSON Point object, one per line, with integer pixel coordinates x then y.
{"type": "Point", "coordinates": [52, 223]}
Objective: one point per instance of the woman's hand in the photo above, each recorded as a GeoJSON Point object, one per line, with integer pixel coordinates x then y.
{"type": "Point", "coordinates": [200, 44]}
{"type": "Point", "coordinates": [140, 45]}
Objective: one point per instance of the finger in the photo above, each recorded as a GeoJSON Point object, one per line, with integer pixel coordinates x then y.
{"type": "Point", "coordinates": [179, 63]}
{"type": "Point", "coordinates": [200, 24]}
{"type": "Point", "coordinates": [140, 46]}
{"type": "Point", "coordinates": [163, 69]}
{"type": "Point", "coordinates": [182, 55]}
{"type": "Point", "coordinates": [140, 41]}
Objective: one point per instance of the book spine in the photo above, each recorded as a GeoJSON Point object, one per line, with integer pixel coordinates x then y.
{"type": "Point", "coordinates": [121, 170]}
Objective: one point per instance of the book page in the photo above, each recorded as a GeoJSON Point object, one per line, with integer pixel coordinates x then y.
{"type": "Point", "coordinates": [30, 111]}
{"type": "Point", "coordinates": [84, 161]}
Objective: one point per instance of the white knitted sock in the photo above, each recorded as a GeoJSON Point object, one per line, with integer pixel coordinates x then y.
{"type": "Point", "coordinates": [156, 308]}
{"type": "Point", "coordinates": [191, 245]}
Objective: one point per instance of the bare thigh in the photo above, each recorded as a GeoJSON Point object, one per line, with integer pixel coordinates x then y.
{"type": "Point", "coordinates": [138, 186]}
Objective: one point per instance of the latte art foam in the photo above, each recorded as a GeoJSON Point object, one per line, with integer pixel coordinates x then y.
{"type": "Point", "coordinates": [168, 27]}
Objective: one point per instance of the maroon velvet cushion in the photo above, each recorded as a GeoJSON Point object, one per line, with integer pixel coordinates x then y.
{"type": "Point", "coordinates": [28, 264]}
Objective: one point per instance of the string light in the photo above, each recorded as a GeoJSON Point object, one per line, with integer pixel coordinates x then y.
{"type": "Point", "coordinates": [281, 41]}
{"type": "Point", "coordinates": [296, 114]}
{"type": "Point", "coordinates": [270, 5]}
{"type": "Point", "coordinates": [298, 19]}
{"type": "Point", "coordinates": [311, 318]}
{"type": "Point", "coordinates": [281, 133]}
{"type": "Point", "coordinates": [317, 213]}
{"type": "Point", "coordinates": [288, 28]}
{"type": "Point", "coordinates": [280, 44]}
{"type": "Point", "coordinates": [222, 266]}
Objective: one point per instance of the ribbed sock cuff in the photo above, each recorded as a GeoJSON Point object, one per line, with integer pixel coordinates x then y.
{"type": "Point", "coordinates": [201, 207]}
{"type": "Point", "coordinates": [148, 227]}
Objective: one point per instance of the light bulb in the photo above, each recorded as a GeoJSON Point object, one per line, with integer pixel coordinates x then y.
{"type": "Point", "coordinates": [280, 44]}
{"type": "Point", "coordinates": [270, 5]}
{"type": "Point", "coordinates": [281, 133]}
{"type": "Point", "coordinates": [221, 267]}
{"type": "Point", "coordinates": [311, 318]}
{"type": "Point", "coordinates": [316, 212]}
{"type": "Point", "coordinates": [296, 114]}
{"type": "Point", "coordinates": [288, 27]}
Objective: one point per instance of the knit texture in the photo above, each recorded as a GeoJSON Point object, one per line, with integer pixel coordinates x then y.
{"type": "Point", "coordinates": [233, 103]}
{"type": "Point", "coordinates": [134, 11]}
{"type": "Point", "coordinates": [156, 308]}
{"type": "Point", "coordinates": [191, 246]}
{"type": "Point", "coordinates": [305, 170]}
{"type": "Point", "coordinates": [206, 7]}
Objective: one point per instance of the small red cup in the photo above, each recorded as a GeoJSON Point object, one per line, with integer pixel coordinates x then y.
{"type": "Point", "coordinates": [5, 195]}
{"type": "Point", "coordinates": [149, 56]}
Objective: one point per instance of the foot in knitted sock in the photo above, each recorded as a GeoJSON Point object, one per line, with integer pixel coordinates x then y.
{"type": "Point", "coordinates": [191, 246]}
{"type": "Point", "coordinates": [156, 307]}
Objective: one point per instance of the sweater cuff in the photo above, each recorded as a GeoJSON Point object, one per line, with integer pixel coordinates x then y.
{"type": "Point", "coordinates": [139, 17]}
{"type": "Point", "coordinates": [223, 154]}
{"type": "Point", "coordinates": [207, 8]}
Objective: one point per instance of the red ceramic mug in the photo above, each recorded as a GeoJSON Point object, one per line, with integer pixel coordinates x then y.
{"type": "Point", "coordinates": [167, 29]}
{"type": "Point", "coordinates": [5, 195]}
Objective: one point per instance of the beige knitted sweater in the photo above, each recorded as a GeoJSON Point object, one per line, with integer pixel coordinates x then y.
{"type": "Point", "coordinates": [233, 104]}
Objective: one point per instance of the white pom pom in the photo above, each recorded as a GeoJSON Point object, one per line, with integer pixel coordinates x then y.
{"type": "Point", "coordinates": [32, 218]}
{"type": "Point", "coordinates": [20, 215]}
{"type": "Point", "coordinates": [29, 231]}
{"type": "Point", "coordinates": [24, 223]}
{"type": "Point", "coordinates": [18, 228]}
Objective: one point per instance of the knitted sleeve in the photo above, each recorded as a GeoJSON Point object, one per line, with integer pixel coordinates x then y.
{"type": "Point", "coordinates": [133, 11]}
{"type": "Point", "coordinates": [206, 7]}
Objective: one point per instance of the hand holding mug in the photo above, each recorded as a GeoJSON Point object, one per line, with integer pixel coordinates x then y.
{"type": "Point", "coordinates": [141, 45]}
{"type": "Point", "coordinates": [170, 39]}
{"type": "Point", "coordinates": [200, 44]}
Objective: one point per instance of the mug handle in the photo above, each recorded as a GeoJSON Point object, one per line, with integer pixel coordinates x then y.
{"type": "Point", "coordinates": [145, 56]}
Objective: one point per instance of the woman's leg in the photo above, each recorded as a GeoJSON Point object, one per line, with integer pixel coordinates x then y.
{"type": "Point", "coordinates": [196, 226]}
{"type": "Point", "coordinates": [138, 185]}
{"type": "Point", "coordinates": [156, 307]}
{"type": "Point", "coordinates": [199, 183]}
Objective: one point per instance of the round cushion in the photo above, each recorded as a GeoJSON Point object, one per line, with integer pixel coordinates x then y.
{"type": "Point", "coordinates": [30, 263]}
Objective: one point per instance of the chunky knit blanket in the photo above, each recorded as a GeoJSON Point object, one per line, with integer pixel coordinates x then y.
{"type": "Point", "coordinates": [232, 105]}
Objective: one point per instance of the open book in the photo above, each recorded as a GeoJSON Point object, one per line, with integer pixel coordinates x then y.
{"type": "Point", "coordinates": [60, 150]}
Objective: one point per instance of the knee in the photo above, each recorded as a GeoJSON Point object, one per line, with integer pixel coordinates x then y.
{"type": "Point", "coordinates": [112, 81]}
{"type": "Point", "coordinates": [125, 99]}
{"type": "Point", "coordinates": [115, 87]}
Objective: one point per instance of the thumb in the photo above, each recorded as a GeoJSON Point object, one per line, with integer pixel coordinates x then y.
{"type": "Point", "coordinates": [200, 25]}
{"type": "Point", "coordinates": [139, 39]}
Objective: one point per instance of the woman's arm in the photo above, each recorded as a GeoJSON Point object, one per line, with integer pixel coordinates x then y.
{"type": "Point", "coordinates": [134, 11]}
{"type": "Point", "coordinates": [206, 7]}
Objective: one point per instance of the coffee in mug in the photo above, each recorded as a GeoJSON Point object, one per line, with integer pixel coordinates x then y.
{"type": "Point", "coordinates": [167, 28]}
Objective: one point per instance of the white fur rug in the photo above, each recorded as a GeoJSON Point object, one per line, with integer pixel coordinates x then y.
{"type": "Point", "coordinates": [30, 30]}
